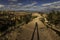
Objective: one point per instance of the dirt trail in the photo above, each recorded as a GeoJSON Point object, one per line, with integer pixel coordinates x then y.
{"type": "Point", "coordinates": [44, 32]}
{"type": "Point", "coordinates": [27, 31]}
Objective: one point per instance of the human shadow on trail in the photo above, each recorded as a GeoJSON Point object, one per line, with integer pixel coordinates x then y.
{"type": "Point", "coordinates": [36, 28]}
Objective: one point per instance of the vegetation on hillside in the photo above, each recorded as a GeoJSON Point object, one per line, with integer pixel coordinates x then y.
{"type": "Point", "coordinates": [54, 17]}
{"type": "Point", "coordinates": [10, 19]}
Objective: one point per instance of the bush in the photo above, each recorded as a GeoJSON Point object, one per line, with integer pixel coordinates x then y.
{"type": "Point", "coordinates": [54, 17]}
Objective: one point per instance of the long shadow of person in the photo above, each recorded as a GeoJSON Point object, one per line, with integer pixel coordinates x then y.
{"type": "Point", "coordinates": [36, 28]}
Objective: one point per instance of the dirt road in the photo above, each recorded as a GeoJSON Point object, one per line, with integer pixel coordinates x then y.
{"type": "Point", "coordinates": [44, 32]}
{"type": "Point", "coordinates": [27, 31]}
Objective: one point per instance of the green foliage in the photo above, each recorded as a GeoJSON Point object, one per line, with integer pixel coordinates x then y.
{"type": "Point", "coordinates": [54, 17]}
{"type": "Point", "coordinates": [10, 19]}
{"type": "Point", "coordinates": [34, 17]}
{"type": "Point", "coordinates": [27, 18]}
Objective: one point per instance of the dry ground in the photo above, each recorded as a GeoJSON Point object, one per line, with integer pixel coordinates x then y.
{"type": "Point", "coordinates": [27, 30]}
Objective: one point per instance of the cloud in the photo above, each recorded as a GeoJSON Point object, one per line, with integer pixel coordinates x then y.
{"type": "Point", "coordinates": [30, 5]}
{"type": "Point", "coordinates": [52, 5]}
{"type": "Point", "coordinates": [1, 5]}
{"type": "Point", "coordinates": [19, 4]}
{"type": "Point", "coordinates": [43, 7]}
{"type": "Point", "coordinates": [13, 0]}
{"type": "Point", "coordinates": [47, 6]}
{"type": "Point", "coordinates": [57, 7]}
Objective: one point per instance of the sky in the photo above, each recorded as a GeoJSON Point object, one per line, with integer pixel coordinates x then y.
{"type": "Point", "coordinates": [33, 5]}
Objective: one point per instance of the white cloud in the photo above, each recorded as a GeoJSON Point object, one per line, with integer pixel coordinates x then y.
{"type": "Point", "coordinates": [30, 5]}
{"type": "Point", "coordinates": [19, 4]}
{"type": "Point", "coordinates": [47, 4]}
{"type": "Point", "coordinates": [33, 6]}
{"type": "Point", "coordinates": [1, 5]}
{"type": "Point", "coordinates": [53, 3]}
{"type": "Point", "coordinates": [57, 7]}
